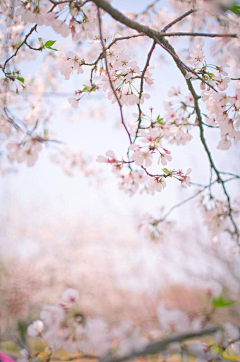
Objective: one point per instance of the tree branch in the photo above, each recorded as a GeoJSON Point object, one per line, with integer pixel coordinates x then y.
{"type": "Point", "coordinates": [120, 17]}
{"type": "Point", "coordinates": [145, 68]}
{"type": "Point", "coordinates": [160, 346]}
{"type": "Point", "coordinates": [24, 42]}
{"type": "Point", "coordinates": [178, 19]}
{"type": "Point", "coordinates": [199, 34]}
{"type": "Point", "coordinates": [108, 73]}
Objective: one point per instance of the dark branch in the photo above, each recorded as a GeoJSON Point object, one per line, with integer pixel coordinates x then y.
{"type": "Point", "coordinates": [160, 346]}
{"type": "Point", "coordinates": [178, 19]}
{"type": "Point", "coordinates": [16, 51]}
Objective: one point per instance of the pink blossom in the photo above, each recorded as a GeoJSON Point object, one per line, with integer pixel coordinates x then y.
{"type": "Point", "coordinates": [144, 96]}
{"type": "Point", "coordinates": [185, 179]}
{"type": "Point", "coordinates": [70, 295]}
{"type": "Point", "coordinates": [111, 158]}
{"type": "Point", "coordinates": [73, 101]}
{"type": "Point", "coordinates": [164, 157]}
{"type": "Point", "coordinates": [223, 83]}
{"type": "Point", "coordinates": [141, 157]}
{"type": "Point", "coordinates": [102, 159]}
{"type": "Point", "coordinates": [224, 144]}
{"type": "Point", "coordinates": [157, 183]}
{"type": "Point", "coordinates": [35, 329]}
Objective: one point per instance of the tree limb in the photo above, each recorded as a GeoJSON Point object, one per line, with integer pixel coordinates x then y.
{"type": "Point", "coordinates": [160, 346]}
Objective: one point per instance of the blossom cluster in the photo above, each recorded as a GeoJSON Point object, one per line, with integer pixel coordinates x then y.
{"type": "Point", "coordinates": [123, 74]}
{"type": "Point", "coordinates": [155, 230]}
{"type": "Point", "coordinates": [70, 161]}
{"type": "Point", "coordinates": [64, 326]}
{"type": "Point", "coordinates": [224, 110]}
{"type": "Point", "coordinates": [27, 151]}
{"type": "Point", "coordinates": [78, 22]}
{"type": "Point", "coordinates": [215, 215]}
{"type": "Point", "coordinates": [132, 179]}
{"type": "Point", "coordinates": [148, 135]}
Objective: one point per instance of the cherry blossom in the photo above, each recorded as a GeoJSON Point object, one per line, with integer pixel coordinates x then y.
{"type": "Point", "coordinates": [70, 295]}
{"type": "Point", "coordinates": [157, 184]}
{"type": "Point", "coordinates": [184, 178]}
{"type": "Point", "coordinates": [111, 158]}
{"type": "Point", "coordinates": [196, 53]}
{"type": "Point", "coordinates": [35, 329]}
{"type": "Point", "coordinates": [142, 158]}
{"type": "Point", "coordinates": [73, 102]}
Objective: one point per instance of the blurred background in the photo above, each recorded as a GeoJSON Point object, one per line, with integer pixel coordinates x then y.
{"type": "Point", "coordinates": [59, 231]}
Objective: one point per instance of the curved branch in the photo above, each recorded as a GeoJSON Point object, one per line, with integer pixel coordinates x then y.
{"type": "Point", "coordinates": [162, 345]}
{"type": "Point", "coordinates": [24, 42]}
{"type": "Point", "coordinates": [108, 73]}
{"type": "Point", "coordinates": [178, 19]}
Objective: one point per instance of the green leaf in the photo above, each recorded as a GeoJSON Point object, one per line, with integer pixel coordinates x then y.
{"type": "Point", "coordinates": [235, 8]}
{"type": "Point", "coordinates": [84, 89]}
{"type": "Point", "coordinates": [40, 39]}
{"type": "Point", "coordinates": [49, 43]}
{"type": "Point", "coordinates": [222, 302]}
{"type": "Point", "coordinates": [165, 170]}
{"type": "Point", "coordinates": [53, 49]}
{"type": "Point", "coordinates": [159, 120]}
{"type": "Point", "coordinates": [20, 79]}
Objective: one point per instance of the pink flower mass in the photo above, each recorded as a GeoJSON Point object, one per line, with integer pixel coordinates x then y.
{"type": "Point", "coordinates": [143, 100]}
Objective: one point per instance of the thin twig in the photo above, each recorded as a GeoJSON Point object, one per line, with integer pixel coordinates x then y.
{"type": "Point", "coordinates": [109, 76]}
{"type": "Point", "coordinates": [82, 356]}
{"type": "Point", "coordinates": [209, 35]}
{"type": "Point", "coordinates": [16, 51]}
{"type": "Point", "coordinates": [147, 8]}
{"type": "Point", "coordinates": [178, 19]}
{"type": "Point", "coordinates": [145, 68]}
{"type": "Point", "coordinates": [184, 201]}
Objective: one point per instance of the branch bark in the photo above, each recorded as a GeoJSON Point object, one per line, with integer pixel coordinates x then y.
{"type": "Point", "coordinates": [162, 345]}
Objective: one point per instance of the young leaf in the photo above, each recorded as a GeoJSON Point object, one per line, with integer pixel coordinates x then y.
{"type": "Point", "coordinates": [222, 302]}
{"type": "Point", "coordinates": [20, 79]}
{"type": "Point", "coordinates": [49, 43]}
{"type": "Point", "coordinates": [165, 170]}
{"type": "Point", "coordinates": [235, 8]}
{"type": "Point", "coordinates": [53, 49]}
{"type": "Point", "coordinates": [159, 120]}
